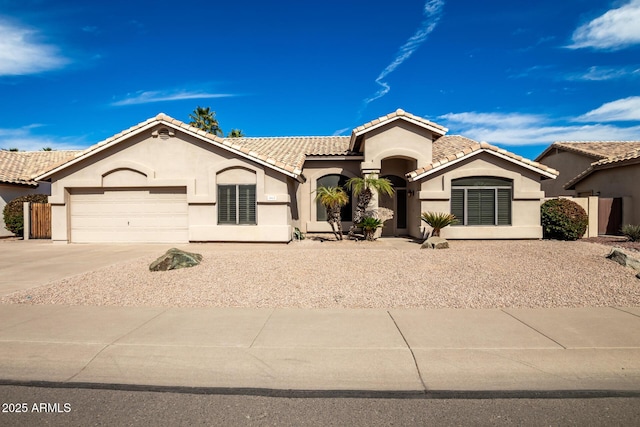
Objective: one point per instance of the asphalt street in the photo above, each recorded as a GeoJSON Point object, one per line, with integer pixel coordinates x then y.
{"type": "Point", "coordinates": [52, 406]}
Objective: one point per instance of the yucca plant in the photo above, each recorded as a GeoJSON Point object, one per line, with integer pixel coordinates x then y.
{"type": "Point", "coordinates": [438, 220]}
{"type": "Point", "coordinates": [632, 232]}
{"type": "Point", "coordinates": [333, 199]}
{"type": "Point", "coordinates": [369, 226]}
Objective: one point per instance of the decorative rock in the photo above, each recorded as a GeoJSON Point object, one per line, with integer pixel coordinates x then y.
{"type": "Point", "coordinates": [435, 242]}
{"type": "Point", "coordinates": [622, 258]}
{"type": "Point", "coordinates": [174, 259]}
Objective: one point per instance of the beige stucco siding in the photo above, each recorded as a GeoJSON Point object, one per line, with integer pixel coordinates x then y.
{"type": "Point", "coordinates": [305, 194]}
{"type": "Point", "coordinates": [569, 164]}
{"type": "Point", "coordinates": [144, 161]}
{"type": "Point", "coordinates": [435, 196]}
{"type": "Point", "coordinates": [619, 181]}
{"type": "Point", "coordinates": [397, 139]}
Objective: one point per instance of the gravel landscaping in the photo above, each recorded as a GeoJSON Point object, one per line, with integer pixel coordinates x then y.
{"type": "Point", "coordinates": [311, 274]}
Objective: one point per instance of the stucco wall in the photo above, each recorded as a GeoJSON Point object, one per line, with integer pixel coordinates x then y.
{"type": "Point", "coordinates": [305, 193]}
{"type": "Point", "coordinates": [397, 139]}
{"type": "Point", "coordinates": [435, 196]}
{"type": "Point", "coordinates": [569, 165]}
{"type": "Point", "coordinates": [620, 181]}
{"type": "Point", "coordinates": [9, 192]}
{"type": "Point", "coordinates": [181, 161]}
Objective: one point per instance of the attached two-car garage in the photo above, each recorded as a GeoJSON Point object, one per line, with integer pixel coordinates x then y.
{"type": "Point", "coordinates": [146, 215]}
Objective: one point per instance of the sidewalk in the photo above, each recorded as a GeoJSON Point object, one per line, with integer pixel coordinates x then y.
{"type": "Point", "coordinates": [332, 349]}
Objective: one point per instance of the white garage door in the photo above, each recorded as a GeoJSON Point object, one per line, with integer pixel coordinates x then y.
{"type": "Point", "coordinates": [149, 215]}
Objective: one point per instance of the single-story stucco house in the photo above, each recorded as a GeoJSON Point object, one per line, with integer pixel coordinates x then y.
{"type": "Point", "coordinates": [166, 181]}
{"type": "Point", "coordinates": [17, 169]}
{"type": "Point", "coordinates": [607, 169]}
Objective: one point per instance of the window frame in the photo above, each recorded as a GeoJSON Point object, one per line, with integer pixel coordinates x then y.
{"type": "Point", "coordinates": [498, 201]}
{"type": "Point", "coordinates": [242, 209]}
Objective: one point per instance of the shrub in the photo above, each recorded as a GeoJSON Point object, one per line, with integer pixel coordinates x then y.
{"type": "Point", "coordinates": [14, 212]}
{"type": "Point", "coordinates": [632, 232]}
{"type": "Point", "coordinates": [369, 226]}
{"type": "Point", "coordinates": [438, 220]}
{"type": "Point", "coordinates": [563, 219]}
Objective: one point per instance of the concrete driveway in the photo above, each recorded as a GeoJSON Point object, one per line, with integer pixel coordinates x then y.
{"type": "Point", "coordinates": [31, 263]}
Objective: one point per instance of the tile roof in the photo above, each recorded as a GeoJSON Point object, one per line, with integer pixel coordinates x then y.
{"type": "Point", "coordinates": [396, 114]}
{"type": "Point", "coordinates": [450, 148]}
{"type": "Point", "coordinates": [630, 157]}
{"type": "Point", "coordinates": [20, 167]}
{"type": "Point", "coordinates": [595, 149]}
{"type": "Point", "coordinates": [288, 154]}
{"type": "Point", "coordinates": [293, 150]}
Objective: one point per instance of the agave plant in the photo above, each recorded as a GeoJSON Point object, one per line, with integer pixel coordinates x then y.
{"type": "Point", "coordinates": [438, 220]}
{"type": "Point", "coordinates": [369, 226]}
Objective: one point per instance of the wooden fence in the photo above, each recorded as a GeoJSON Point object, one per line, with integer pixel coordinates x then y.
{"type": "Point", "coordinates": [40, 221]}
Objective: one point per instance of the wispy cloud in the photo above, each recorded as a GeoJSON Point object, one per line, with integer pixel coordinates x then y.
{"type": "Point", "coordinates": [25, 139]}
{"type": "Point", "coordinates": [597, 73]}
{"type": "Point", "coordinates": [147, 97]}
{"type": "Point", "coordinates": [626, 109]}
{"type": "Point", "coordinates": [21, 54]}
{"type": "Point", "coordinates": [616, 29]}
{"type": "Point", "coordinates": [530, 129]}
{"type": "Point", "coordinates": [432, 12]}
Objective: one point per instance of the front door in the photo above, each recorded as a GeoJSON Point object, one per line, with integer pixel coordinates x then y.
{"type": "Point", "coordinates": [398, 204]}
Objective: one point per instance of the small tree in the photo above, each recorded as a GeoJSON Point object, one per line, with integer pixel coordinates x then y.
{"type": "Point", "coordinates": [363, 189]}
{"type": "Point", "coordinates": [333, 199]}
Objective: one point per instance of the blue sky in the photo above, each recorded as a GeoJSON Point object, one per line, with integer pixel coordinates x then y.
{"type": "Point", "coordinates": [516, 74]}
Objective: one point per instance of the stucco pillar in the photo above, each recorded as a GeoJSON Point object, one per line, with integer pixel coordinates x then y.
{"type": "Point", "coordinates": [26, 220]}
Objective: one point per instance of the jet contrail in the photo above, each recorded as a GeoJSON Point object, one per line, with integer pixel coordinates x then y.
{"type": "Point", "coordinates": [432, 13]}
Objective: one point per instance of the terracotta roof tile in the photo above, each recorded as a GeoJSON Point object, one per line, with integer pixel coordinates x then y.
{"type": "Point", "coordinates": [19, 167]}
{"type": "Point", "coordinates": [449, 148]}
{"type": "Point", "coordinates": [399, 113]}
{"type": "Point", "coordinates": [599, 149]}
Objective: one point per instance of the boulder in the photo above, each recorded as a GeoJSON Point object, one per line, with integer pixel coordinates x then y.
{"type": "Point", "coordinates": [174, 259]}
{"type": "Point", "coordinates": [623, 258]}
{"type": "Point", "coordinates": [435, 242]}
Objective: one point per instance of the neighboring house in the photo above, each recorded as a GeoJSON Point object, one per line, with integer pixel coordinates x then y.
{"type": "Point", "coordinates": [17, 169]}
{"type": "Point", "coordinates": [607, 169]}
{"type": "Point", "coordinates": [165, 181]}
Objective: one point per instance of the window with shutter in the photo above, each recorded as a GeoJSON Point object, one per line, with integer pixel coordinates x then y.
{"type": "Point", "coordinates": [481, 200]}
{"type": "Point", "coordinates": [236, 204]}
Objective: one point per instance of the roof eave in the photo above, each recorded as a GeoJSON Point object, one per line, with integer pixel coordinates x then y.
{"type": "Point", "coordinates": [356, 133]}
{"type": "Point", "coordinates": [212, 139]}
{"type": "Point", "coordinates": [543, 173]}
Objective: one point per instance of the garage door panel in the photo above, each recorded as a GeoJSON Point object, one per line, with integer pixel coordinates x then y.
{"type": "Point", "coordinates": [131, 215]}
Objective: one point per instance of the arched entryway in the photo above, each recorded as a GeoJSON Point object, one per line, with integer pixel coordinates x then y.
{"type": "Point", "coordinates": [398, 204]}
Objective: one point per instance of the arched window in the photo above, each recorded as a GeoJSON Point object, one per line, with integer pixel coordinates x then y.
{"type": "Point", "coordinates": [482, 200]}
{"type": "Point", "coordinates": [333, 181]}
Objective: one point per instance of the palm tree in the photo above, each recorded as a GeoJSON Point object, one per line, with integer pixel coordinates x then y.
{"type": "Point", "coordinates": [205, 119]}
{"type": "Point", "coordinates": [235, 133]}
{"type": "Point", "coordinates": [333, 199]}
{"type": "Point", "coordinates": [363, 189]}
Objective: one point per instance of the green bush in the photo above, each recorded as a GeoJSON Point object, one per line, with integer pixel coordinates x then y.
{"type": "Point", "coordinates": [14, 212]}
{"type": "Point", "coordinates": [632, 232]}
{"type": "Point", "coordinates": [369, 226]}
{"type": "Point", "coordinates": [563, 219]}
